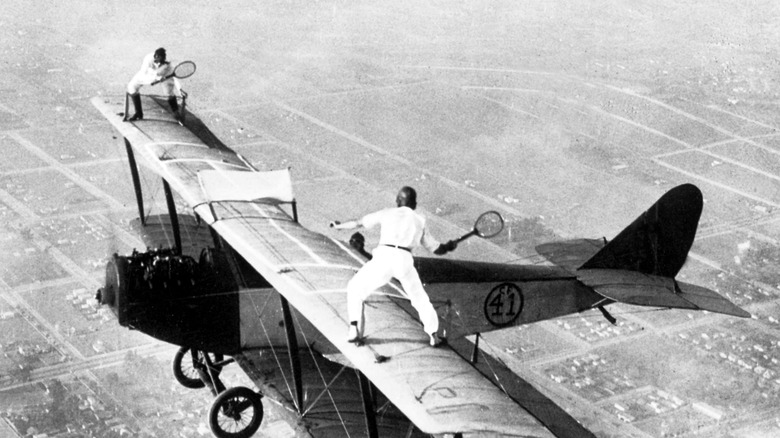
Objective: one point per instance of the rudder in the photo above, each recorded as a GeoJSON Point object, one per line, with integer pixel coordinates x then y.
{"type": "Point", "coordinates": [658, 241]}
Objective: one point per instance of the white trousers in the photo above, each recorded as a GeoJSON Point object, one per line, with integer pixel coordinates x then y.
{"type": "Point", "coordinates": [386, 263]}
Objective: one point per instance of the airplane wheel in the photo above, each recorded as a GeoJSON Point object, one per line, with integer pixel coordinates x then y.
{"type": "Point", "coordinates": [236, 413]}
{"type": "Point", "coordinates": [184, 370]}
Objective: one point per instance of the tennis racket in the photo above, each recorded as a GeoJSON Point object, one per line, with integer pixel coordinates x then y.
{"type": "Point", "coordinates": [183, 70]}
{"type": "Point", "coordinates": [488, 224]}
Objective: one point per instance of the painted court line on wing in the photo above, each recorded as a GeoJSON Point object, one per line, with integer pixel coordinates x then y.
{"type": "Point", "coordinates": [274, 223]}
{"type": "Point", "coordinates": [177, 143]}
{"type": "Point", "coordinates": [201, 160]}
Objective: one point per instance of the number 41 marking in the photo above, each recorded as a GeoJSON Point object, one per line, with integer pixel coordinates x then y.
{"type": "Point", "coordinates": [503, 304]}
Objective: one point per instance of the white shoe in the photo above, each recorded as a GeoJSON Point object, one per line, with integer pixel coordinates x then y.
{"type": "Point", "coordinates": [353, 335]}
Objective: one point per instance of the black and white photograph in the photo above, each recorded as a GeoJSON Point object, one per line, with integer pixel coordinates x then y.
{"type": "Point", "coordinates": [428, 218]}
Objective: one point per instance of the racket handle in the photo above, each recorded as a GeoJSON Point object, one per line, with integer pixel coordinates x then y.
{"type": "Point", "coordinates": [466, 236]}
{"type": "Point", "coordinates": [161, 80]}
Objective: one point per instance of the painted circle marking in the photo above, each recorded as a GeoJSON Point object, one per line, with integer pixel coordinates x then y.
{"type": "Point", "coordinates": [503, 304]}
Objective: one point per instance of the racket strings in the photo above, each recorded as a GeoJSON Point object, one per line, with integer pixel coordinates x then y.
{"type": "Point", "coordinates": [489, 224]}
{"type": "Point", "coordinates": [184, 70]}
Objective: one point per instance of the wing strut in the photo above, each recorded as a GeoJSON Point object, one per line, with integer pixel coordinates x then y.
{"type": "Point", "coordinates": [552, 416]}
{"type": "Point", "coordinates": [174, 216]}
{"type": "Point", "coordinates": [475, 351]}
{"type": "Point", "coordinates": [292, 348]}
{"type": "Point", "coordinates": [369, 404]}
{"type": "Point", "coordinates": [136, 181]}
{"type": "Point", "coordinates": [608, 315]}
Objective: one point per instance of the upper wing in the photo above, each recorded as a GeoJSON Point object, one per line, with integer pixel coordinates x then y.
{"type": "Point", "coordinates": [436, 388]}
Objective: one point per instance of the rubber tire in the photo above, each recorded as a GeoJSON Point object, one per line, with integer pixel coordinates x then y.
{"type": "Point", "coordinates": [231, 394]}
{"type": "Point", "coordinates": [187, 380]}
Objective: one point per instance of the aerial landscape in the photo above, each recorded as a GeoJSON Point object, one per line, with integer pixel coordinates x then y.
{"type": "Point", "coordinates": [570, 119]}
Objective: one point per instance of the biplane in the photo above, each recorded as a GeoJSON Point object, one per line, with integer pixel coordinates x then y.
{"type": "Point", "coordinates": [243, 275]}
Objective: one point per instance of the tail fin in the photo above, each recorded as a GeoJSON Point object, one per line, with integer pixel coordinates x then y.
{"type": "Point", "coordinates": [639, 265]}
{"type": "Point", "coordinates": [658, 241]}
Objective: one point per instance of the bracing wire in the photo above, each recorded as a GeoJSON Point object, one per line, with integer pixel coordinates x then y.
{"type": "Point", "coordinates": [633, 312]}
{"type": "Point", "coordinates": [286, 378]}
{"type": "Point", "coordinates": [533, 259]}
{"type": "Point", "coordinates": [268, 339]}
{"type": "Point", "coordinates": [493, 355]}
{"type": "Point", "coordinates": [322, 377]}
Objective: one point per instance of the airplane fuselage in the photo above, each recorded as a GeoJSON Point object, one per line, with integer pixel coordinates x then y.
{"type": "Point", "coordinates": [474, 297]}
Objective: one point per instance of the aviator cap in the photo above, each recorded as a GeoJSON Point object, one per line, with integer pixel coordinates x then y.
{"type": "Point", "coordinates": [407, 197]}
{"type": "Point", "coordinates": [160, 54]}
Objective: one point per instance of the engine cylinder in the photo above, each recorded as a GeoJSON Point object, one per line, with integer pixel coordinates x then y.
{"type": "Point", "coordinates": [175, 298]}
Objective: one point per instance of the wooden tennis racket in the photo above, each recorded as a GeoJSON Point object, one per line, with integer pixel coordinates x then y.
{"type": "Point", "coordinates": [488, 224]}
{"type": "Point", "coordinates": [183, 70]}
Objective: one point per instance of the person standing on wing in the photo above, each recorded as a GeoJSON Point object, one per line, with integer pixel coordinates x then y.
{"type": "Point", "coordinates": [154, 68]}
{"type": "Point", "coordinates": [402, 229]}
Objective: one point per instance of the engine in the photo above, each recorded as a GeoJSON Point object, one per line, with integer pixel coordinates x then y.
{"type": "Point", "coordinates": [175, 298]}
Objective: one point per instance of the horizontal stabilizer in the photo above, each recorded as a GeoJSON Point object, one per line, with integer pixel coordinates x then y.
{"type": "Point", "coordinates": [710, 300]}
{"type": "Point", "coordinates": [631, 287]}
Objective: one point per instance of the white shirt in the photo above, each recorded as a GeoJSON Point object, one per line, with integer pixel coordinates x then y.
{"type": "Point", "coordinates": [150, 72]}
{"type": "Point", "coordinates": [401, 226]}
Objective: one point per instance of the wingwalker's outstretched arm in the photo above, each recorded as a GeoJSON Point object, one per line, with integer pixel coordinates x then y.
{"type": "Point", "coordinates": [402, 229]}
{"type": "Point", "coordinates": [441, 249]}
{"type": "Point", "coordinates": [348, 225]}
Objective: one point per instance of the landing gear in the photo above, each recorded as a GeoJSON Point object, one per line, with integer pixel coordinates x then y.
{"type": "Point", "coordinates": [236, 413]}
{"type": "Point", "coordinates": [185, 367]}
